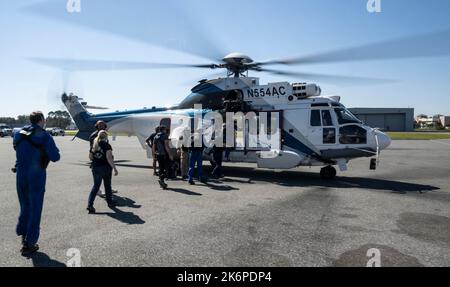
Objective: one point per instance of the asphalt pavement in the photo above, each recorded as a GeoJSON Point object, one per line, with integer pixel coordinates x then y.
{"type": "Point", "coordinates": [251, 218]}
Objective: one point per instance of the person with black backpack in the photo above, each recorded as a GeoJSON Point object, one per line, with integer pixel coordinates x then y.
{"type": "Point", "coordinates": [102, 168]}
{"type": "Point", "coordinates": [35, 148]}
{"type": "Point", "coordinates": [149, 141]}
{"type": "Point", "coordinates": [99, 126]}
{"type": "Point", "coordinates": [161, 147]}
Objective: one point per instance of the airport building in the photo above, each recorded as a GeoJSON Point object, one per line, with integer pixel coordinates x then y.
{"type": "Point", "coordinates": [445, 121]}
{"type": "Point", "coordinates": [387, 119]}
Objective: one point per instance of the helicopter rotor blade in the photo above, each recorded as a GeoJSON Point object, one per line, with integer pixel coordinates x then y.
{"type": "Point", "coordinates": [139, 20]}
{"type": "Point", "coordinates": [99, 65]}
{"type": "Point", "coordinates": [435, 44]}
{"type": "Point", "coordinates": [63, 82]}
{"type": "Point", "coordinates": [332, 79]}
{"type": "Point", "coordinates": [207, 77]}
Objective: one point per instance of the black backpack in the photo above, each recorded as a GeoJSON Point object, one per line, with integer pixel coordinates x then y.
{"type": "Point", "coordinates": [98, 155]}
{"type": "Point", "coordinates": [160, 139]}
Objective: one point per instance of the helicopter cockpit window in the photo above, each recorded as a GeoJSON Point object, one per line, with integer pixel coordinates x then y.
{"type": "Point", "coordinates": [344, 116]}
{"type": "Point", "coordinates": [326, 118]}
{"type": "Point", "coordinates": [315, 118]}
{"type": "Point", "coordinates": [352, 135]}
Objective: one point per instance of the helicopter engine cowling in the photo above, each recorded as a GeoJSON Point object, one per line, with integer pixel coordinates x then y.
{"type": "Point", "coordinates": [304, 90]}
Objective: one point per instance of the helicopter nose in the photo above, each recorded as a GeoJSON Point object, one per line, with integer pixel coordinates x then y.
{"type": "Point", "coordinates": [384, 141]}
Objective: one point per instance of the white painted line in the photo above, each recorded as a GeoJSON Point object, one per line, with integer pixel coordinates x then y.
{"type": "Point", "coordinates": [441, 142]}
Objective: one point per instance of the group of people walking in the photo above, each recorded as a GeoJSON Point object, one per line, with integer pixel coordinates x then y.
{"type": "Point", "coordinates": [184, 159]}
{"type": "Point", "coordinates": [35, 149]}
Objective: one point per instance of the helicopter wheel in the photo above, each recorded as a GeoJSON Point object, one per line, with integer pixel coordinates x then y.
{"type": "Point", "coordinates": [328, 172]}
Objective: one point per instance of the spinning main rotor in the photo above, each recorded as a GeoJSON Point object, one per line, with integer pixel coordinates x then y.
{"type": "Point", "coordinates": [128, 21]}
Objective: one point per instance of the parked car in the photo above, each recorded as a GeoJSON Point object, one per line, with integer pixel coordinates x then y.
{"type": "Point", "coordinates": [5, 131]}
{"type": "Point", "coordinates": [56, 132]}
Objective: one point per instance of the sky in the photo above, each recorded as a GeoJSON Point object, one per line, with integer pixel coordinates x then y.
{"type": "Point", "coordinates": [174, 31]}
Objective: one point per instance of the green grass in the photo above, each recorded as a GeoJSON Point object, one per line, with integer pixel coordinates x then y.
{"type": "Point", "coordinates": [71, 133]}
{"type": "Point", "coordinates": [418, 136]}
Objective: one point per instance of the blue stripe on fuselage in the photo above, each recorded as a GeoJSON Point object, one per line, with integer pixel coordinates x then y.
{"type": "Point", "coordinates": [108, 117]}
{"type": "Point", "coordinates": [133, 112]}
{"type": "Point", "coordinates": [292, 142]}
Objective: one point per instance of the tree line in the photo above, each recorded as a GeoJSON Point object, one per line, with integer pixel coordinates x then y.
{"type": "Point", "coordinates": [57, 119]}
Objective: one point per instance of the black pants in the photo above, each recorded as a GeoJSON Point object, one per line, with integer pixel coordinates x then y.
{"type": "Point", "coordinates": [101, 173]}
{"type": "Point", "coordinates": [163, 162]}
{"type": "Point", "coordinates": [218, 160]}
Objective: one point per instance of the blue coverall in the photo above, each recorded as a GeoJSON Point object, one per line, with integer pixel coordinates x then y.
{"type": "Point", "coordinates": [31, 179]}
{"type": "Point", "coordinates": [195, 158]}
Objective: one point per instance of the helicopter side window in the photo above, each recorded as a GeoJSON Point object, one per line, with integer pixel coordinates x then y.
{"type": "Point", "coordinates": [329, 135]}
{"type": "Point", "coordinates": [352, 135]}
{"type": "Point", "coordinates": [315, 118]}
{"type": "Point", "coordinates": [344, 116]}
{"type": "Point", "coordinates": [326, 118]}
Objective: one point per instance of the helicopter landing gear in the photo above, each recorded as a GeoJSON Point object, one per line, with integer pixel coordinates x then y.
{"type": "Point", "coordinates": [328, 172]}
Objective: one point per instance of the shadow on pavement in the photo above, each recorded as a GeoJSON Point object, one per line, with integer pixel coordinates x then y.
{"type": "Point", "coordinates": [247, 175]}
{"type": "Point", "coordinates": [122, 216]}
{"type": "Point", "coordinates": [43, 260]}
{"type": "Point", "coordinates": [303, 179]}
{"type": "Point", "coordinates": [125, 202]}
{"type": "Point", "coordinates": [134, 166]}
{"type": "Point", "coordinates": [184, 191]}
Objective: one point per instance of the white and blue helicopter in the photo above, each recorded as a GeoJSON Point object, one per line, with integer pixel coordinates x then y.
{"type": "Point", "coordinates": [314, 130]}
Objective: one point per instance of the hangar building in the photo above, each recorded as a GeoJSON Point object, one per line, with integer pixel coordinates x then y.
{"type": "Point", "coordinates": [445, 121]}
{"type": "Point", "coordinates": [387, 119]}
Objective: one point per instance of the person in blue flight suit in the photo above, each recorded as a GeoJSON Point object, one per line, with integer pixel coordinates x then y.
{"type": "Point", "coordinates": [196, 157]}
{"type": "Point", "coordinates": [35, 148]}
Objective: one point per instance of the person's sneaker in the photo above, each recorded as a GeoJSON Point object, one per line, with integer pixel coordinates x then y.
{"type": "Point", "coordinates": [28, 250]}
{"type": "Point", "coordinates": [184, 178]}
{"type": "Point", "coordinates": [191, 182]}
{"type": "Point", "coordinates": [91, 210]}
{"type": "Point", "coordinates": [162, 184]}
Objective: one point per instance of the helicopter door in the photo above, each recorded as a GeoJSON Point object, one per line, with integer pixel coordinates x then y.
{"type": "Point", "coordinates": [260, 137]}
{"type": "Point", "coordinates": [322, 130]}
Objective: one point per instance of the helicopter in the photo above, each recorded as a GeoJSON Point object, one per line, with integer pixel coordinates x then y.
{"type": "Point", "coordinates": [315, 129]}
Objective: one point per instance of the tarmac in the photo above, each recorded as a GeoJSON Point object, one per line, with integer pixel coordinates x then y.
{"type": "Point", "coordinates": [252, 217]}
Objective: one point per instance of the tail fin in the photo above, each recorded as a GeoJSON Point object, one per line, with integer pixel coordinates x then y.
{"type": "Point", "coordinates": [82, 118]}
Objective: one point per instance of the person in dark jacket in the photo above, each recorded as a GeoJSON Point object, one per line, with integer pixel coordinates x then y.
{"type": "Point", "coordinates": [102, 168]}
{"type": "Point", "coordinates": [161, 147]}
{"type": "Point", "coordinates": [149, 141]}
{"type": "Point", "coordinates": [35, 148]}
{"type": "Point", "coordinates": [99, 126]}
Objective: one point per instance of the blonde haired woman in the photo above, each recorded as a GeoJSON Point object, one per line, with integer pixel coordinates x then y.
{"type": "Point", "coordinates": [102, 167]}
